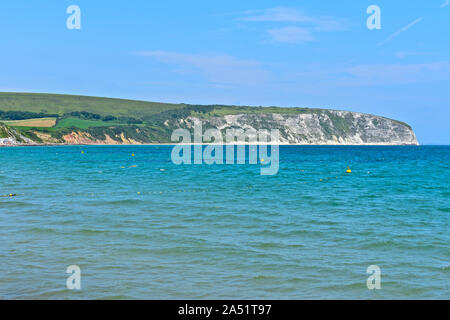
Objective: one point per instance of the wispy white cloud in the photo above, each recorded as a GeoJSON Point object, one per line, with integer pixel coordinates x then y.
{"type": "Point", "coordinates": [277, 15]}
{"type": "Point", "coordinates": [446, 3]}
{"type": "Point", "coordinates": [377, 74]}
{"type": "Point", "coordinates": [405, 28]}
{"type": "Point", "coordinates": [389, 74]}
{"type": "Point", "coordinates": [291, 34]}
{"type": "Point", "coordinates": [219, 69]}
{"type": "Point", "coordinates": [301, 27]}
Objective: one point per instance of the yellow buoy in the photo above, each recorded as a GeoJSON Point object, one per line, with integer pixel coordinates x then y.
{"type": "Point", "coordinates": [348, 170]}
{"type": "Point", "coordinates": [132, 154]}
{"type": "Point", "coordinates": [82, 152]}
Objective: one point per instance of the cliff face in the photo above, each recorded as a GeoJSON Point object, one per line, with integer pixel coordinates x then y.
{"type": "Point", "coordinates": [315, 127]}
{"type": "Point", "coordinates": [10, 137]}
{"type": "Point", "coordinates": [77, 137]}
{"type": "Point", "coordinates": [319, 128]}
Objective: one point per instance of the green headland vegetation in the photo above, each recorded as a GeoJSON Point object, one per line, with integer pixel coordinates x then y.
{"type": "Point", "coordinates": [51, 118]}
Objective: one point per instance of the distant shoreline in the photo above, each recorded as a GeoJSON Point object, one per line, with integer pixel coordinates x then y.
{"type": "Point", "coordinates": [205, 144]}
{"type": "Point", "coordinates": [81, 120]}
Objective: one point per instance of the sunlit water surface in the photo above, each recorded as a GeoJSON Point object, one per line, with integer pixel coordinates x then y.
{"type": "Point", "coordinates": [141, 227]}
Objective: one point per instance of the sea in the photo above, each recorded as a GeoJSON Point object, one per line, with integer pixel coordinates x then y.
{"type": "Point", "coordinates": [137, 226]}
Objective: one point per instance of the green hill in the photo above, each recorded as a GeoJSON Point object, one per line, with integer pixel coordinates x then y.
{"type": "Point", "coordinates": [61, 104]}
{"type": "Point", "coordinates": [53, 118]}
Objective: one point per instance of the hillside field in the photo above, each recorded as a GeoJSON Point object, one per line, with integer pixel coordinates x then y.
{"type": "Point", "coordinates": [61, 104]}
{"type": "Point", "coordinates": [38, 122]}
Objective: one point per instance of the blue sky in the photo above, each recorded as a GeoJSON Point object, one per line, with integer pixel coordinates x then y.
{"type": "Point", "coordinates": [283, 53]}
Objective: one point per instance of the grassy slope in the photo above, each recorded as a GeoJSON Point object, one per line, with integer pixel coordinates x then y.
{"type": "Point", "coordinates": [49, 122]}
{"type": "Point", "coordinates": [60, 104]}
{"type": "Point", "coordinates": [3, 132]}
{"type": "Point", "coordinates": [153, 114]}
{"type": "Point", "coordinates": [82, 124]}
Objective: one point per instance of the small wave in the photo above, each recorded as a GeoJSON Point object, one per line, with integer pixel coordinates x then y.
{"type": "Point", "coordinates": [92, 231]}
{"type": "Point", "coordinates": [274, 245]}
{"type": "Point", "coordinates": [42, 230]}
{"type": "Point", "coordinates": [263, 277]}
{"type": "Point", "coordinates": [51, 294]}
{"type": "Point", "coordinates": [285, 233]}
{"type": "Point", "coordinates": [15, 204]}
{"type": "Point", "coordinates": [133, 202]}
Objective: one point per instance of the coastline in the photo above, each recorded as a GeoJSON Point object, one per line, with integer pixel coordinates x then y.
{"type": "Point", "coordinates": [206, 144]}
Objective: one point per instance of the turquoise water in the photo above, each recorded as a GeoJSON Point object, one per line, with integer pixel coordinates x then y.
{"type": "Point", "coordinates": [142, 227]}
